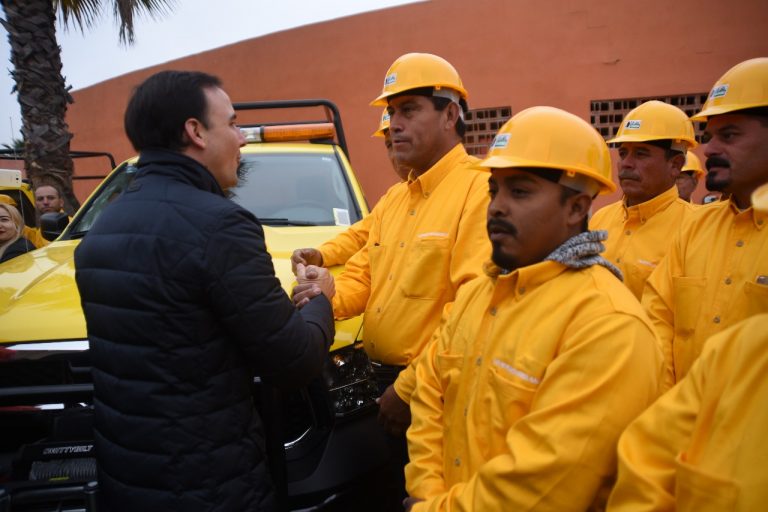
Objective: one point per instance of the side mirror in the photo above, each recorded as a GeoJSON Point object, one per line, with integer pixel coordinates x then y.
{"type": "Point", "coordinates": [52, 224]}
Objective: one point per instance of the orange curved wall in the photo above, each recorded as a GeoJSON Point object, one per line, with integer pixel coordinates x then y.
{"type": "Point", "coordinates": [509, 52]}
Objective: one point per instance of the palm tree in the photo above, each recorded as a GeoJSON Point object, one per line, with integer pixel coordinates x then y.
{"type": "Point", "coordinates": [42, 90]}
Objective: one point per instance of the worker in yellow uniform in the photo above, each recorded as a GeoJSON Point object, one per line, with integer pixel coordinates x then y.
{"type": "Point", "coordinates": [427, 235]}
{"type": "Point", "coordinates": [689, 176]}
{"type": "Point", "coordinates": [339, 249]}
{"type": "Point", "coordinates": [653, 139]}
{"type": "Point", "coordinates": [544, 360]}
{"type": "Point", "coordinates": [716, 271]}
{"type": "Point", "coordinates": [701, 447]}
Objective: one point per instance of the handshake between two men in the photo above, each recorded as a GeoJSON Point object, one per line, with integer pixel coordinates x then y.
{"type": "Point", "coordinates": [311, 277]}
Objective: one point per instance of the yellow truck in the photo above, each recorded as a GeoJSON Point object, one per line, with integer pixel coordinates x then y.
{"type": "Point", "coordinates": [298, 181]}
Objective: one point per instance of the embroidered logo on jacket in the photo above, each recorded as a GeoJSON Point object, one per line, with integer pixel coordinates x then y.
{"type": "Point", "coordinates": [514, 371]}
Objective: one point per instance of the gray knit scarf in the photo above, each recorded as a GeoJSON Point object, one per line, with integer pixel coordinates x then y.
{"type": "Point", "coordinates": [583, 250]}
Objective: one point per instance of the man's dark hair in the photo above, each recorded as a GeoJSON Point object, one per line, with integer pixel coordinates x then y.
{"type": "Point", "coordinates": [160, 106]}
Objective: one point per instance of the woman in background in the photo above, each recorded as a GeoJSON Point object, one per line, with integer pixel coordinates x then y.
{"type": "Point", "coordinates": [12, 244]}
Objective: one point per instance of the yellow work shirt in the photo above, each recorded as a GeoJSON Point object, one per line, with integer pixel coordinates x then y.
{"type": "Point", "coordinates": [35, 236]}
{"type": "Point", "coordinates": [520, 401]}
{"type": "Point", "coordinates": [427, 238]}
{"type": "Point", "coordinates": [339, 249]}
{"type": "Point", "coordinates": [714, 275]}
{"type": "Point", "coordinates": [640, 235]}
{"type": "Point", "coordinates": [701, 447]}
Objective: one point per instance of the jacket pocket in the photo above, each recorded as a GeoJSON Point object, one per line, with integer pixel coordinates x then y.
{"type": "Point", "coordinates": [757, 298]}
{"type": "Point", "coordinates": [700, 491]}
{"type": "Point", "coordinates": [426, 272]}
{"type": "Point", "coordinates": [688, 292]}
{"type": "Point", "coordinates": [376, 254]}
{"type": "Point", "coordinates": [510, 399]}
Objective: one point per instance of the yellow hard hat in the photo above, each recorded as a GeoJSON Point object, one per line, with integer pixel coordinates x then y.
{"type": "Point", "coordinates": [692, 163]}
{"type": "Point", "coordinates": [743, 86]}
{"type": "Point", "coordinates": [550, 138]}
{"type": "Point", "coordinates": [7, 200]}
{"type": "Point", "coordinates": [383, 124]}
{"type": "Point", "coordinates": [415, 70]}
{"type": "Point", "coordinates": [760, 198]}
{"type": "Point", "coordinates": [656, 120]}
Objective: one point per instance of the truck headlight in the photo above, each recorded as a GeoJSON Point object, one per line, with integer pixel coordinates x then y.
{"type": "Point", "coordinates": [350, 379]}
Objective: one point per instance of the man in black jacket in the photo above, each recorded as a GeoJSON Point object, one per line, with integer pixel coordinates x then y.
{"type": "Point", "coordinates": [183, 309]}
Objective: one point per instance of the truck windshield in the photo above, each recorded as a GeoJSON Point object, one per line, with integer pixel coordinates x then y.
{"type": "Point", "coordinates": [296, 189]}
{"type": "Point", "coordinates": [281, 189]}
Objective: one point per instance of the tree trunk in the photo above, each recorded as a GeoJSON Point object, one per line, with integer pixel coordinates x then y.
{"type": "Point", "coordinates": [42, 93]}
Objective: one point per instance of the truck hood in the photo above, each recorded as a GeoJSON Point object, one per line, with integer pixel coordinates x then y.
{"type": "Point", "coordinates": [39, 300]}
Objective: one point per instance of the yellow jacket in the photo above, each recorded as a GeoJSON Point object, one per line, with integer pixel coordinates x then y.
{"type": "Point", "coordinates": [520, 401]}
{"type": "Point", "coordinates": [427, 238]}
{"type": "Point", "coordinates": [715, 275]}
{"type": "Point", "coordinates": [701, 447]}
{"type": "Point", "coordinates": [339, 249]}
{"type": "Point", "coordinates": [640, 235]}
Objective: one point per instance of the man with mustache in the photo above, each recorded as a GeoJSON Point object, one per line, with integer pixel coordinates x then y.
{"type": "Point", "coordinates": [653, 139]}
{"type": "Point", "coordinates": [716, 271]}
{"type": "Point", "coordinates": [427, 234]}
{"type": "Point", "coordinates": [545, 359]}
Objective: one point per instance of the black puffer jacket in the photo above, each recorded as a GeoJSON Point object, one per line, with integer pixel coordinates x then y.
{"type": "Point", "coordinates": [183, 308]}
{"type": "Point", "coordinates": [17, 248]}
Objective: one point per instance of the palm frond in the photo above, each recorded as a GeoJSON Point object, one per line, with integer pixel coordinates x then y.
{"type": "Point", "coordinates": [84, 13]}
{"type": "Point", "coordinates": [125, 12]}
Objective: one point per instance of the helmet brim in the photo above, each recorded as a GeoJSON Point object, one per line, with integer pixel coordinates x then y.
{"type": "Point", "coordinates": [505, 162]}
{"type": "Point", "coordinates": [716, 110]}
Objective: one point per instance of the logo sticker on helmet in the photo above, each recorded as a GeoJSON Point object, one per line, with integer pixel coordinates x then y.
{"type": "Point", "coordinates": [501, 141]}
{"type": "Point", "coordinates": [719, 91]}
{"type": "Point", "coordinates": [390, 79]}
{"type": "Point", "coordinates": [633, 124]}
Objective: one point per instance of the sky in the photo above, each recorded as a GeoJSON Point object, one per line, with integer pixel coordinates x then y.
{"type": "Point", "coordinates": [193, 26]}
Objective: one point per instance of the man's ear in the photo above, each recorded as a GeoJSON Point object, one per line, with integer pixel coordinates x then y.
{"type": "Point", "coordinates": [194, 132]}
{"type": "Point", "coordinates": [452, 115]}
{"type": "Point", "coordinates": [676, 164]}
{"type": "Point", "coordinates": [578, 209]}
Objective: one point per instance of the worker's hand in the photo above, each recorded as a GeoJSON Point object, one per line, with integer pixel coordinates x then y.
{"type": "Point", "coordinates": [312, 282]}
{"type": "Point", "coordinates": [394, 413]}
{"type": "Point", "coordinates": [303, 293]}
{"type": "Point", "coordinates": [409, 502]}
{"type": "Point", "coordinates": [306, 256]}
